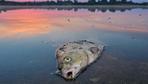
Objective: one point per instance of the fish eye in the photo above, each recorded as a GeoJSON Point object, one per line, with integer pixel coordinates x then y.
{"type": "Point", "coordinates": [67, 59]}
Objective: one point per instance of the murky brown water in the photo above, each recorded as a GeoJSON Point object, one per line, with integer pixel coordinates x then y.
{"type": "Point", "coordinates": [29, 37]}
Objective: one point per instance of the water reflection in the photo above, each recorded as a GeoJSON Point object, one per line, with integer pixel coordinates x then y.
{"type": "Point", "coordinates": [30, 36]}
{"type": "Point", "coordinates": [90, 9]}
{"type": "Point", "coordinates": [31, 22]}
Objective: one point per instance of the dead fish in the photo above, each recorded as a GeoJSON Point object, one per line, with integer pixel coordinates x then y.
{"type": "Point", "coordinates": [74, 57]}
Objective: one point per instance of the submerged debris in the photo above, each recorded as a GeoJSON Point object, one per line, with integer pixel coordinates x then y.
{"type": "Point", "coordinates": [94, 80]}
{"type": "Point", "coordinates": [68, 20]}
{"type": "Point", "coordinates": [140, 15]}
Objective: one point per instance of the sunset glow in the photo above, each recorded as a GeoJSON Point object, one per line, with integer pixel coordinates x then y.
{"type": "Point", "coordinates": [36, 22]}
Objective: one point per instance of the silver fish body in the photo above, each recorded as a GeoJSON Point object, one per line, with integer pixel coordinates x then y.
{"type": "Point", "coordinates": [73, 57]}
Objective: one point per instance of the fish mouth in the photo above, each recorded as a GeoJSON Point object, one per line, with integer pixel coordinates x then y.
{"type": "Point", "coordinates": [70, 75]}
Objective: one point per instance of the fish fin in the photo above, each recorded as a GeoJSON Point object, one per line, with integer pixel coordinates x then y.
{"type": "Point", "coordinates": [94, 50]}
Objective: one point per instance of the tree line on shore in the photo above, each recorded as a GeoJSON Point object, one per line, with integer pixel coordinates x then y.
{"type": "Point", "coordinates": [74, 2]}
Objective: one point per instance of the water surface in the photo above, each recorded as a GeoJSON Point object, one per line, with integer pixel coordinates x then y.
{"type": "Point", "coordinates": [29, 37]}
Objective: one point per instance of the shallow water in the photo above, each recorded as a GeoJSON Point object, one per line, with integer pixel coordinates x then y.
{"type": "Point", "coordinates": [29, 37]}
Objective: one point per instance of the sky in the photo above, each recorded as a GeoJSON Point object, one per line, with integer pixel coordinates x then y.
{"type": "Point", "coordinates": [80, 0]}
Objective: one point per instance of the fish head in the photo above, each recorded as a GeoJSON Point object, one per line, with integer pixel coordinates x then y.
{"type": "Point", "coordinates": [71, 64]}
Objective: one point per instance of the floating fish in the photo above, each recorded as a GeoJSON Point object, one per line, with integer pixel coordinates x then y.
{"type": "Point", "coordinates": [74, 57]}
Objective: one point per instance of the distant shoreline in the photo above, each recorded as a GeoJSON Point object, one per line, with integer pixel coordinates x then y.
{"type": "Point", "coordinates": [75, 3]}
{"type": "Point", "coordinates": [77, 6]}
{"type": "Point", "coordinates": [91, 8]}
